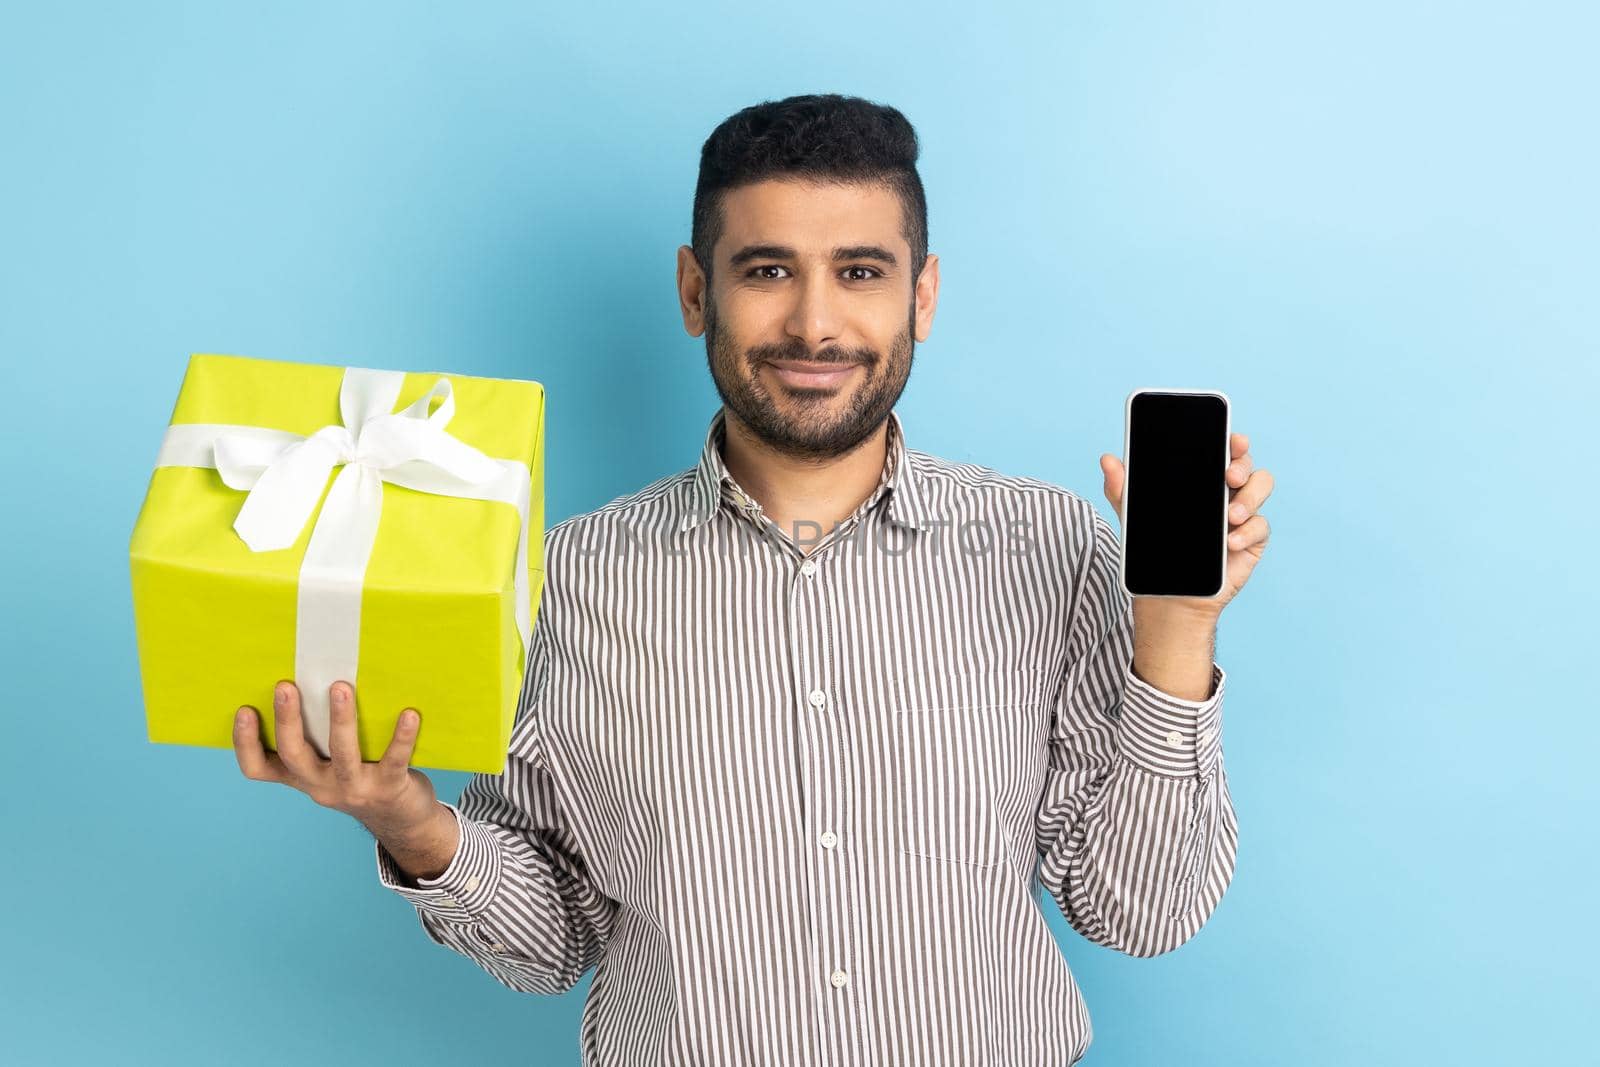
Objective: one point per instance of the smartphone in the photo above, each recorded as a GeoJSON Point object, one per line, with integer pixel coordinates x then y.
{"type": "Point", "coordinates": [1175, 495]}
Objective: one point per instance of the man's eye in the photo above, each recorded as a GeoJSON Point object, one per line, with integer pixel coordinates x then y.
{"type": "Point", "coordinates": [757, 272]}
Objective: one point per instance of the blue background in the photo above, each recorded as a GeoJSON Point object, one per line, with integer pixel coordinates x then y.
{"type": "Point", "coordinates": [1373, 225]}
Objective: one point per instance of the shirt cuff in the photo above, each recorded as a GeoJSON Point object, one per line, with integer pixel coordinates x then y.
{"type": "Point", "coordinates": [1168, 735]}
{"type": "Point", "coordinates": [463, 892]}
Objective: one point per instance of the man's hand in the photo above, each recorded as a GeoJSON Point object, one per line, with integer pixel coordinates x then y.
{"type": "Point", "coordinates": [1247, 538]}
{"type": "Point", "coordinates": [391, 798]}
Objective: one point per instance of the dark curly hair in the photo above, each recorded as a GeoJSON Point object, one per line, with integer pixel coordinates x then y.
{"type": "Point", "coordinates": [825, 137]}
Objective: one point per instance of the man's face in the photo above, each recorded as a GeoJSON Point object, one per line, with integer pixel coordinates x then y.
{"type": "Point", "coordinates": [811, 312]}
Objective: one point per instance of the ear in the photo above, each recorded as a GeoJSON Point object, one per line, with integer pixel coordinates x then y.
{"type": "Point", "coordinates": [691, 292]}
{"type": "Point", "coordinates": [926, 296]}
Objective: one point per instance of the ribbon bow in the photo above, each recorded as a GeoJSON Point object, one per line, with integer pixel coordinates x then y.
{"type": "Point", "coordinates": [285, 473]}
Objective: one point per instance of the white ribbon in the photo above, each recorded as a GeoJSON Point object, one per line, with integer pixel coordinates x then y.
{"type": "Point", "coordinates": [285, 474]}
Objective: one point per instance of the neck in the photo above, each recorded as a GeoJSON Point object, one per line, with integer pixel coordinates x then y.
{"type": "Point", "coordinates": [797, 492]}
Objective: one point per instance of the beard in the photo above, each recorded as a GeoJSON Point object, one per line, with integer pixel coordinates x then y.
{"type": "Point", "coordinates": [808, 427]}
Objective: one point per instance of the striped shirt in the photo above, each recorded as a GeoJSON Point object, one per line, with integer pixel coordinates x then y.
{"type": "Point", "coordinates": [796, 806]}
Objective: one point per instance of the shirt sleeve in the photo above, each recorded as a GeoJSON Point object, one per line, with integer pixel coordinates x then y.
{"type": "Point", "coordinates": [517, 898]}
{"type": "Point", "coordinates": [1136, 830]}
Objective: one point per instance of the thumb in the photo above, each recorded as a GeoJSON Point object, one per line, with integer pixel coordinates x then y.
{"type": "Point", "coordinates": [1111, 471]}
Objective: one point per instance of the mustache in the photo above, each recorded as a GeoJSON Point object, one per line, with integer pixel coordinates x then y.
{"type": "Point", "coordinates": [798, 352]}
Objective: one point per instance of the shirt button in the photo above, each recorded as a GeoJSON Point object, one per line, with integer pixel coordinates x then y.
{"type": "Point", "coordinates": [448, 900]}
{"type": "Point", "coordinates": [818, 698]}
{"type": "Point", "coordinates": [838, 978]}
{"type": "Point", "coordinates": [829, 839]}
{"type": "Point", "coordinates": [1208, 733]}
{"type": "Point", "coordinates": [472, 883]}
{"type": "Point", "coordinates": [1174, 738]}
{"type": "Point", "coordinates": [808, 568]}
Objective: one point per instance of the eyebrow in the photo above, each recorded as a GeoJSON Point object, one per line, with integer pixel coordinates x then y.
{"type": "Point", "coordinates": [873, 252]}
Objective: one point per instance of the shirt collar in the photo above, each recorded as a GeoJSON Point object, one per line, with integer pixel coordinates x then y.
{"type": "Point", "coordinates": [703, 491]}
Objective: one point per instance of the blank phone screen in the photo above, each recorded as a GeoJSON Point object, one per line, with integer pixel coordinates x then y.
{"type": "Point", "coordinates": [1175, 500]}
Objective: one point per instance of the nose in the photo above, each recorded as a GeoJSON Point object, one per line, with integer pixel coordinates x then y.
{"type": "Point", "coordinates": [815, 317]}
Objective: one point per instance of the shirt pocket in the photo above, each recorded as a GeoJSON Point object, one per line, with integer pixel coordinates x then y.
{"type": "Point", "coordinates": [968, 766]}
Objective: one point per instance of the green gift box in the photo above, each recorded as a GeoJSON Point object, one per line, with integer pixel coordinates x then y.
{"type": "Point", "coordinates": [324, 523]}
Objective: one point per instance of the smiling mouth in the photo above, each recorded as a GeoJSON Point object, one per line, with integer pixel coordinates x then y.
{"type": "Point", "coordinates": [811, 375]}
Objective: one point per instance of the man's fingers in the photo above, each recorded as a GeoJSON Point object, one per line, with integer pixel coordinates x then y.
{"type": "Point", "coordinates": [1248, 498]}
{"type": "Point", "coordinates": [293, 748]}
{"type": "Point", "coordinates": [254, 761]}
{"type": "Point", "coordinates": [1250, 532]}
{"type": "Point", "coordinates": [1239, 470]}
{"type": "Point", "coordinates": [397, 757]}
{"type": "Point", "coordinates": [343, 746]}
